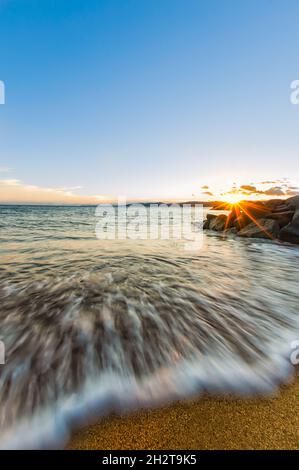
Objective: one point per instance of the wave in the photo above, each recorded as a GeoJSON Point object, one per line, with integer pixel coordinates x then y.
{"type": "Point", "coordinates": [139, 331]}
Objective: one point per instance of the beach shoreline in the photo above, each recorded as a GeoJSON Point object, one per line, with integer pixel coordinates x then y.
{"type": "Point", "coordinates": [208, 422]}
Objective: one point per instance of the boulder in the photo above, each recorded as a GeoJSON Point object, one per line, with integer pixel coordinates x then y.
{"type": "Point", "coordinates": [293, 202]}
{"type": "Point", "coordinates": [218, 223]}
{"type": "Point", "coordinates": [263, 228]}
{"type": "Point", "coordinates": [290, 233]}
{"type": "Point", "coordinates": [231, 218]}
{"type": "Point", "coordinates": [283, 218]}
{"type": "Point", "coordinates": [255, 209]}
{"type": "Point", "coordinates": [283, 208]}
{"type": "Point", "coordinates": [273, 203]}
{"type": "Point", "coordinates": [211, 216]}
{"type": "Point", "coordinates": [242, 221]}
{"type": "Point", "coordinates": [231, 231]}
{"type": "Point", "coordinates": [206, 224]}
{"type": "Point", "coordinates": [295, 219]}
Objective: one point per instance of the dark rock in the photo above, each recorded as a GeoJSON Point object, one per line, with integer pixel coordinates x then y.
{"type": "Point", "coordinates": [293, 202]}
{"type": "Point", "coordinates": [231, 231]}
{"type": "Point", "coordinates": [273, 203]}
{"type": "Point", "coordinates": [255, 209]}
{"type": "Point", "coordinates": [262, 228]}
{"type": "Point", "coordinates": [218, 223]}
{"type": "Point", "coordinates": [295, 219]}
{"type": "Point", "coordinates": [231, 218]}
{"type": "Point", "coordinates": [290, 233]}
{"type": "Point", "coordinates": [206, 224]}
{"type": "Point", "coordinates": [211, 216]}
{"type": "Point", "coordinates": [283, 218]}
{"type": "Point", "coordinates": [242, 221]}
{"type": "Point", "coordinates": [282, 208]}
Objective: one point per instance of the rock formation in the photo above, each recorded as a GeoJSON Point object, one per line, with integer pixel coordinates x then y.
{"type": "Point", "coordinates": [272, 219]}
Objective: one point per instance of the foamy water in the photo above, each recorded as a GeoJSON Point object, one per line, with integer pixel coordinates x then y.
{"type": "Point", "coordinates": [92, 326]}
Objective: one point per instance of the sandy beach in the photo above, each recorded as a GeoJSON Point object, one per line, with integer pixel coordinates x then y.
{"type": "Point", "coordinates": [205, 423]}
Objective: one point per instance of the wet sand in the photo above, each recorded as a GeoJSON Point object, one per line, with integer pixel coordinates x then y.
{"type": "Point", "coordinates": [205, 423]}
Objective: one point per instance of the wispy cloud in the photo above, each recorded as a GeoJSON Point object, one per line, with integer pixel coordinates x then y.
{"type": "Point", "coordinates": [282, 188]}
{"type": "Point", "coordinates": [275, 191]}
{"type": "Point", "coordinates": [5, 169]}
{"type": "Point", "coordinates": [248, 187]}
{"type": "Point", "coordinates": [15, 191]}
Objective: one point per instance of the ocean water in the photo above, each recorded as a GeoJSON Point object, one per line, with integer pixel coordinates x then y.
{"type": "Point", "coordinates": [91, 325]}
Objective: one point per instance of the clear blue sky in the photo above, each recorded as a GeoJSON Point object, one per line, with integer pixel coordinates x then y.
{"type": "Point", "coordinates": [148, 98]}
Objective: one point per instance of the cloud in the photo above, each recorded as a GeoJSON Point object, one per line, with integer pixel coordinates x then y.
{"type": "Point", "coordinates": [208, 193]}
{"type": "Point", "coordinates": [283, 189]}
{"type": "Point", "coordinates": [205, 187]}
{"type": "Point", "coordinates": [270, 182]}
{"type": "Point", "coordinates": [275, 191]}
{"type": "Point", "coordinates": [14, 191]}
{"type": "Point", "coordinates": [248, 187]}
{"type": "Point", "coordinates": [292, 192]}
{"type": "Point", "coordinates": [4, 169]}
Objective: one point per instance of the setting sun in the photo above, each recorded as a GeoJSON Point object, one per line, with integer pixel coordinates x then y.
{"type": "Point", "coordinates": [232, 198]}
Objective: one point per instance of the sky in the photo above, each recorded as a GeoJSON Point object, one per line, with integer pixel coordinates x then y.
{"type": "Point", "coordinates": [147, 99]}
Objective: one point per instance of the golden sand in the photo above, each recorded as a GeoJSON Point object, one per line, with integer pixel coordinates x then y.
{"type": "Point", "coordinates": [207, 423]}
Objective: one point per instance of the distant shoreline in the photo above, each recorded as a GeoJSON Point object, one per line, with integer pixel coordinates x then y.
{"type": "Point", "coordinates": [215, 205]}
{"type": "Point", "coordinates": [145, 203]}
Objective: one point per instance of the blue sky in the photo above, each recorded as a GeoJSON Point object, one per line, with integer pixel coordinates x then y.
{"type": "Point", "coordinates": [147, 98]}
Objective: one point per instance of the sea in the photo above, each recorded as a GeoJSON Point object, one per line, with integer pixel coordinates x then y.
{"type": "Point", "coordinates": [90, 326]}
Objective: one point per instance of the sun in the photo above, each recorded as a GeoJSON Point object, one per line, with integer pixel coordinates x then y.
{"type": "Point", "coordinates": [232, 198]}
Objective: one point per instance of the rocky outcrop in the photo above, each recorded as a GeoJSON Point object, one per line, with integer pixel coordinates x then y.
{"type": "Point", "coordinates": [283, 218]}
{"type": "Point", "coordinates": [218, 223]}
{"type": "Point", "coordinates": [274, 219]}
{"type": "Point", "coordinates": [264, 228]}
{"type": "Point", "coordinates": [290, 233]}
{"type": "Point", "coordinates": [241, 221]}
{"type": "Point", "coordinates": [293, 202]}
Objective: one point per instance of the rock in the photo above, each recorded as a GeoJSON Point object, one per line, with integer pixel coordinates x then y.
{"type": "Point", "coordinates": [218, 223]}
{"type": "Point", "coordinates": [206, 224]}
{"type": "Point", "coordinates": [282, 208]}
{"type": "Point", "coordinates": [231, 231]}
{"type": "Point", "coordinates": [263, 228]}
{"type": "Point", "coordinates": [242, 221]}
{"type": "Point", "coordinates": [293, 202]}
{"type": "Point", "coordinates": [211, 216]}
{"type": "Point", "coordinates": [231, 218]}
{"type": "Point", "coordinates": [290, 233]}
{"type": "Point", "coordinates": [283, 218]}
{"type": "Point", "coordinates": [295, 219]}
{"type": "Point", "coordinates": [261, 219]}
{"type": "Point", "coordinates": [255, 209]}
{"type": "Point", "coordinates": [273, 203]}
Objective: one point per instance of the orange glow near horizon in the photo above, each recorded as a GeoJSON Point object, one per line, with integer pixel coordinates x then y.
{"type": "Point", "coordinates": [232, 198]}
